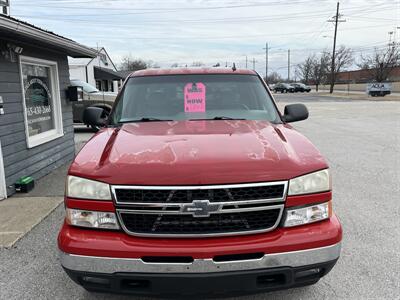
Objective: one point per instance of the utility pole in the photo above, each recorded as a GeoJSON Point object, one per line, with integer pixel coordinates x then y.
{"type": "Point", "coordinates": [288, 65]}
{"type": "Point", "coordinates": [336, 20]}
{"type": "Point", "coordinates": [254, 63]}
{"type": "Point", "coordinates": [246, 61]}
{"type": "Point", "coordinates": [266, 62]}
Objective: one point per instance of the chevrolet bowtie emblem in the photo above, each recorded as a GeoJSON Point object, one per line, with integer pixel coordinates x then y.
{"type": "Point", "coordinates": [200, 208]}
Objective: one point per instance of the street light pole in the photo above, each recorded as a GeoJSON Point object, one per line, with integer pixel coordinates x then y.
{"type": "Point", "coordinates": [266, 61]}
{"type": "Point", "coordinates": [288, 65]}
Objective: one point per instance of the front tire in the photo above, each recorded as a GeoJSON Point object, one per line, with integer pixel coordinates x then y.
{"type": "Point", "coordinates": [105, 115]}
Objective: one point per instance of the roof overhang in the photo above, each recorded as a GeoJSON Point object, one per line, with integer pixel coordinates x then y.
{"type": "Point", "coordinates": [106, 74]}
{"type": "Point", "coordinates": [16, 30]}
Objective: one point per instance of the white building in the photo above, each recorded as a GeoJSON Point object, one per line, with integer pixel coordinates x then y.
{"type": "Point", "coordinates": [99, 71]}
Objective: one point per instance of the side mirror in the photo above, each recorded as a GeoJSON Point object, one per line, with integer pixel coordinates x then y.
{"type": "Point", "coordinates": [93, 116]}
{"type": "Point", "coordinates": [295, 112]}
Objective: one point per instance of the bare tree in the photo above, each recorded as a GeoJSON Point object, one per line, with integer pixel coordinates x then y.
{"type": "Point", "coordinates": [320, 69]}
{"type": "Point", "coordinates": [134, 64]}
{"type": "Point", "coordinates": [382, 62]}
{"type": "Point", "coordinates": [197, 64]}
{"type": "Point", "coordinates": [343, 59]}
{"type": "Point", "coordinates": [305, 69]}
{"type": "Point", "coordinates": [274, 77]}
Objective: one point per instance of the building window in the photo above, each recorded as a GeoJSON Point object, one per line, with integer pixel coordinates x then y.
{"type": "Point", "coordinates": [98, 85]}
{"type": "Point", "coordinates": [105, 86]}
{"type": "Point", "coordinates": [41, 99]}
{"type": "Point", "coordinates": [103, 58]}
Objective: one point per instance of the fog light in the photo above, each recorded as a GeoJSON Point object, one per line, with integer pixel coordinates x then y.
{"type": "Point", "coordinates": [92, 219]}
{"type": "Point", "coordinates": [308, 214]}
{"type": "Point", "coordinates": [96, 280]}
{"type": "Point", "coordinates": [308, 273]}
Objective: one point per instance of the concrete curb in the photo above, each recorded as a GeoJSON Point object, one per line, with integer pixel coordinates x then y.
{"type": "Point", "coordinates": [19, 215]}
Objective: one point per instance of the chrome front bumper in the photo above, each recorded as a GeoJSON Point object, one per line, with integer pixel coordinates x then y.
{"type": "Point", "coordinates": [110, 265]}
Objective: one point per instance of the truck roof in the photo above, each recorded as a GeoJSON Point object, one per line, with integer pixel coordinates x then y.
{"type": "Point", "coordinates": [186, 71]}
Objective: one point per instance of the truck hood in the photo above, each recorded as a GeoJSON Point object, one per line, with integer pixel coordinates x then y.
{"type": "Point", "coordinates": [197, 152]}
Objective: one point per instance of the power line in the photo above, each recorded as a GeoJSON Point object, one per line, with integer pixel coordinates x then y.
{"type": "Point", "coordinates": [129, 10]}
{"type": "Point", "coordinates": [268, 18]}
{"type": "Point", "coordinates": [214, 37]}
{"type": "Point", "coordinates": [165, 9]}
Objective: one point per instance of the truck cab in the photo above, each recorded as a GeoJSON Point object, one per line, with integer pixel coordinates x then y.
{"type": "Point", "coordinates": [92, 97]}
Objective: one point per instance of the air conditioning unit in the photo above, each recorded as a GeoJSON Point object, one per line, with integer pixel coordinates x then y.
{"type": "Point", "coordinates": [5, 7]}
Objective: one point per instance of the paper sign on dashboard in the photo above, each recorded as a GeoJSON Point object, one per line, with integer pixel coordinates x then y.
{"type": "Point", "coordinates": [195, 97]}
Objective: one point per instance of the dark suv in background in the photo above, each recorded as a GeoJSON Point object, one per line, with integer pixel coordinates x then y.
{"type": "Point", "coordinates": [283, 88]}
{"type": "Point", "coordinates": [300, 87]}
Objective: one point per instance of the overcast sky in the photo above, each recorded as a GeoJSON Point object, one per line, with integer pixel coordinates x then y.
{"type": "Point", "coordinates": [211, 31]}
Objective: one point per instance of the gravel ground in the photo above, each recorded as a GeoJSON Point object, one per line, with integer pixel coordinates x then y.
{"type": "Point", "coordinates": [361, 141]}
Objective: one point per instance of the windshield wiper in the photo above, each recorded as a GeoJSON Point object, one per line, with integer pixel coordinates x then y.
{"type": "Point", "coordinates": [145, 119]}
{"type": "Point", "coordinates": [218, 118]}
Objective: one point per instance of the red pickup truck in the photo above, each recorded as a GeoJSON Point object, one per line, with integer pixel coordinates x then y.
{"type": "Point", "coordinates": [198, 185]}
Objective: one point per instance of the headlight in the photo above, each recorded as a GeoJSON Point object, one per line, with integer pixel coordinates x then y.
{"type": "Point", "coordinates": [311, 183]}
{"type": "Point", "coordinates": [82, 188]}
{"type": "Point", "coordinates": [309, 214]}
{"type": "Point", "coordinates": [92, 219]}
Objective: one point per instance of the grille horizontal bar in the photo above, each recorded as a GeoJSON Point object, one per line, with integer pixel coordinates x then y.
{"type": "Point", "coordinates": [186, 194]}
{"type": "Point", "coordinates": [189, 226]}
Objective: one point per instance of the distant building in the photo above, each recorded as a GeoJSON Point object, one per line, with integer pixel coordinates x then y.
{"type": "Point", "coordinates": [100, 71]}
{"type": "Point", "coordinates": [364, 76]}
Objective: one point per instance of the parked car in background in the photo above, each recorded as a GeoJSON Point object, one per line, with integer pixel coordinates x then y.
{"type": "Point", "coordinates": [197, 186]}
{"type": "Point", "coordinates": [300, 87]}
{"type": "Point", "coordinates": [91, 97]}
{"type": "Point", "coordinates": [283, 88]}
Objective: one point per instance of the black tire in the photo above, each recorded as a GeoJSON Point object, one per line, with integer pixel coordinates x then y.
{"type": "Point", "coordinates": [105, 115]}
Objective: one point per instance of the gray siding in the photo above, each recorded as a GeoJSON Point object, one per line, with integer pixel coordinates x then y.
{"type": "Point", "coordinates": [41, 160]}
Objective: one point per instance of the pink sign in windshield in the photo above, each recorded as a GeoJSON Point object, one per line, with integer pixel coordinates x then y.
{"type": "Point", "coordinates": [195, 97]}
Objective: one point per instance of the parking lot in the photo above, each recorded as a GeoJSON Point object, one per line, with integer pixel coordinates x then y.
{"type": "Point", "coordinates": [361, 140]}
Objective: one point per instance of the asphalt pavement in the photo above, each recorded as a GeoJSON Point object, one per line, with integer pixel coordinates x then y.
{"type": "Point", "coordinates": [361, 141]}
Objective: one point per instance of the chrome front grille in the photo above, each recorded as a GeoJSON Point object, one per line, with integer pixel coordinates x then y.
{"type": "Point", "coordinates": [194, 211]}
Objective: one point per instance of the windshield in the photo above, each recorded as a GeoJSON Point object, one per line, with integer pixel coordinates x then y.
{"type": "Point", "coordinates": [194, 97]}
{"type": "Point", "coordinates": [87, 88]}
